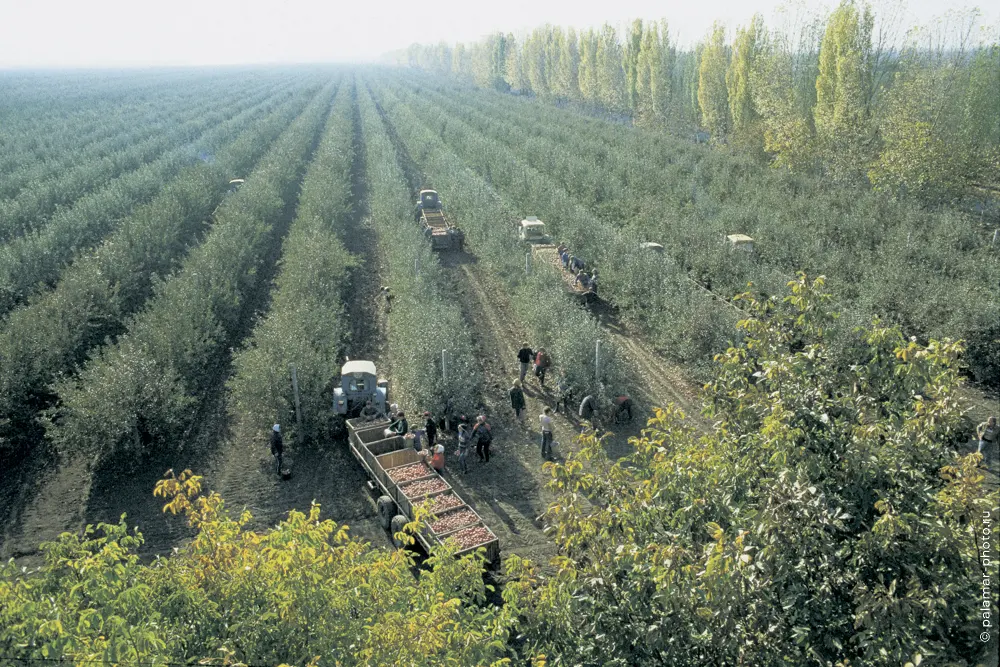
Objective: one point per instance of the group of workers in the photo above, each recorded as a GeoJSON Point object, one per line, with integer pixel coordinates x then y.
{"type": "Point", "coordinates": [578, 268]}
{"type": "Point", "coordinates": [477, 435]}
{"type": "Point", "coordinates": [540, 361]}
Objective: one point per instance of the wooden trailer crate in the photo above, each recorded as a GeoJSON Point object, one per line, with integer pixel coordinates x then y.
{"type": "Point", "coordinates": [406, 502]}
{"type": "Point", "coordinates": [381, 462]}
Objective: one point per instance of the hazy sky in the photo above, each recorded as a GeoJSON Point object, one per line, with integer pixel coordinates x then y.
{"type": "Point", "coordinates": [88, 33]}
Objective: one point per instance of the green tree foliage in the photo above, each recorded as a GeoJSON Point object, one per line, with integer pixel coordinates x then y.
{"type": "Point", "coordinates": [476, 207]}
{"type": "Point", "coordinates": [514, 73]}
{"type": "Point", "coordinates": [138, 394]}
{"type": "Point", "coordinates": [304, 592]}
{"type": "Point", "coordinates": [425, 320]}
{"type": "Point", "coordinates": [654, 74]}
{"type": "Point", "coordinates": [630, 62]}
{"type": "Point", "coordinates": [713, 100]}
{"type": "Point", "coordinates": [825, 518]}
{"type": "Point", "coordinates": [536, 66]}
{"type": "Point", "coordinates": [941, 139]}
{"type": "Point", "coordinates": [97, 293]}
{"type": "Point", "coordinates": [305, 325]}
{"type": "Point", "coordinates": [489, 61]}
{"type": "Point", "coordinates": [844, 89]}
{"type": "Point", "coordinates": [568, 75]}
{"type": "Point", "coordinates": [589, 90]}
{"type": "Point", "coordinates": [611, 90]}
{"type": "Point", "coordinates": [787, 131]}
{"type": "Point", "coordinates": [749, 45]}
{"type": "Point", "coordinates": [461, 61]}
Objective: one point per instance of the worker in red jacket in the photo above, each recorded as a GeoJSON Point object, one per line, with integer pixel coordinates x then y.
{"type": "Point", "coordinates": [542, 363]}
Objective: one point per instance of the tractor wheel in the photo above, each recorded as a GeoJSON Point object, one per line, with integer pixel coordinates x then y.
{"type": "Point", "coordinates": [396, 526]}
{"type": "Point", "coordinates": [386, 510]}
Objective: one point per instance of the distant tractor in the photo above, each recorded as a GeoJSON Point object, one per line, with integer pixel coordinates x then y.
{"type": "Point", "coordinates": [235, 184]}
{"type": "Point", "coordinates": [654, 248]}
{"type": "Point", "coordinates": [577, 282]}
{"type": "Point", "coordinates": [741, 242]}
{"type": "Point", "coordinates": [532, 230]}
{"type": "Point", "coordinates": [359, 383]}
{"type": "Point", "coordinates": [430, 215]}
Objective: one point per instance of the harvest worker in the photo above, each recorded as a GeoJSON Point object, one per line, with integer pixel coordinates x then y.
{"type": "Point", "coordinates": [542, 363]}
{"type": "Point", "coordinates": [987, 433]}
{"type": "Point", "coordinates": [368, 413]}
{"type": "Point", "coordinates": [398, 427]}
{"type": "Point", "coordinates": [564, 258]}
{"type": "Point", "coordinates": [564, 393]}
{"type": "Point", "coordinates": [588, 407]}
{"type": "Point", "coordinates": [623, 409]}
{"type": "Point", "coordinates": [463, 447]}
{"type": "Point", "coordinates": [437, 460]}
{"type": "Point", "coordinates": [430, 428]}
{"type": "Point", "coordinates": [517, 399]}
{"type": "Point", "coordinates": [546, 420]}
{"type": "Point", "coordinates": [277, 447]}
{"type": "Point", "coordinates": [524, 357]}
{"type": "Point", "coordinates": [482, 436]}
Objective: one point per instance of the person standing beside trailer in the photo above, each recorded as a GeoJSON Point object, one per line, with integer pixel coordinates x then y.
{"type": "Point", "coordinates": [546, 421]}
{"type": "Point", "coordinates": [524, 357]}
{"type": "Point", "coordinates": [482, 435]}
{"type": "Point", "coordinates": [430, 428]}
{"type": "Point", "coordinates": [517, 399]}
{"type": "Point", "coordinates": [437, 459]}
{"type": "Point", "coordinates": [986, 433]}
{"type": "Point", "coordinates": [588, 409]}
{"type": "Point", "coordinates": [463, 448]}
{"type": "Point", "coordinates": [277, 447]}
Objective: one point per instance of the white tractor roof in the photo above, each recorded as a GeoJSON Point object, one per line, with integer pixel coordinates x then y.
{"type": "Point", "coordinates": [423, 191]}
{"type": "Point", "coordinates": [532, 223]}
{"type": "Point", "coordinates": [736, 239]}
{"type": "Point", "coordinates": [352, 367]}
{"type": "Point", "coordinates": [649, 245]}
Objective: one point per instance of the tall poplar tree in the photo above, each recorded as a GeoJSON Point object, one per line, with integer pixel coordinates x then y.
{"type": "Point", "coordinates": [610, 74]}
{"type": "Point", "coordinates": [647, 69]}
{"type": "Point", "coordinates": [662, 80]}
{"type": "Point", "coordinates": [843, 88]}
{"type": "Point", "coordinates": [588, 67]}
{"type": "Point", "coordinates": [569, 65]}
{"type": "Point", "coordinates": [630, 62]}
{"type": "Point", "coordinates": [713, 97]}
{"type": "Point", "coordinates": [747, 50]}
{"type": "Point", "coordinates": [514, 69]}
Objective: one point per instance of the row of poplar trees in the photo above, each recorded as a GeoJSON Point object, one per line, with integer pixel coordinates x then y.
{"type": "Point", "coordinates": [844, 93]}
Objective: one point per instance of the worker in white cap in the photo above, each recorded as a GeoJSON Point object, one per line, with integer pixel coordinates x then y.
{"type": "Point", "coordinates": [277, 446]}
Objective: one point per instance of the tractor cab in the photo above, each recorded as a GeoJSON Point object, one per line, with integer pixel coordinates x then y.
{"type": "Point", "coordinates": [741, 242]}
{"type": "Point", "coordinates": [429, 200]}
{"type": "Point", "coordinates": [359, 383]}
{"type": "Point", "coordinates": [652, 248]}
{"type": "Point", "coordinates": [532, 230]}
{"type": "Point", "coordinates": [235, 184]}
